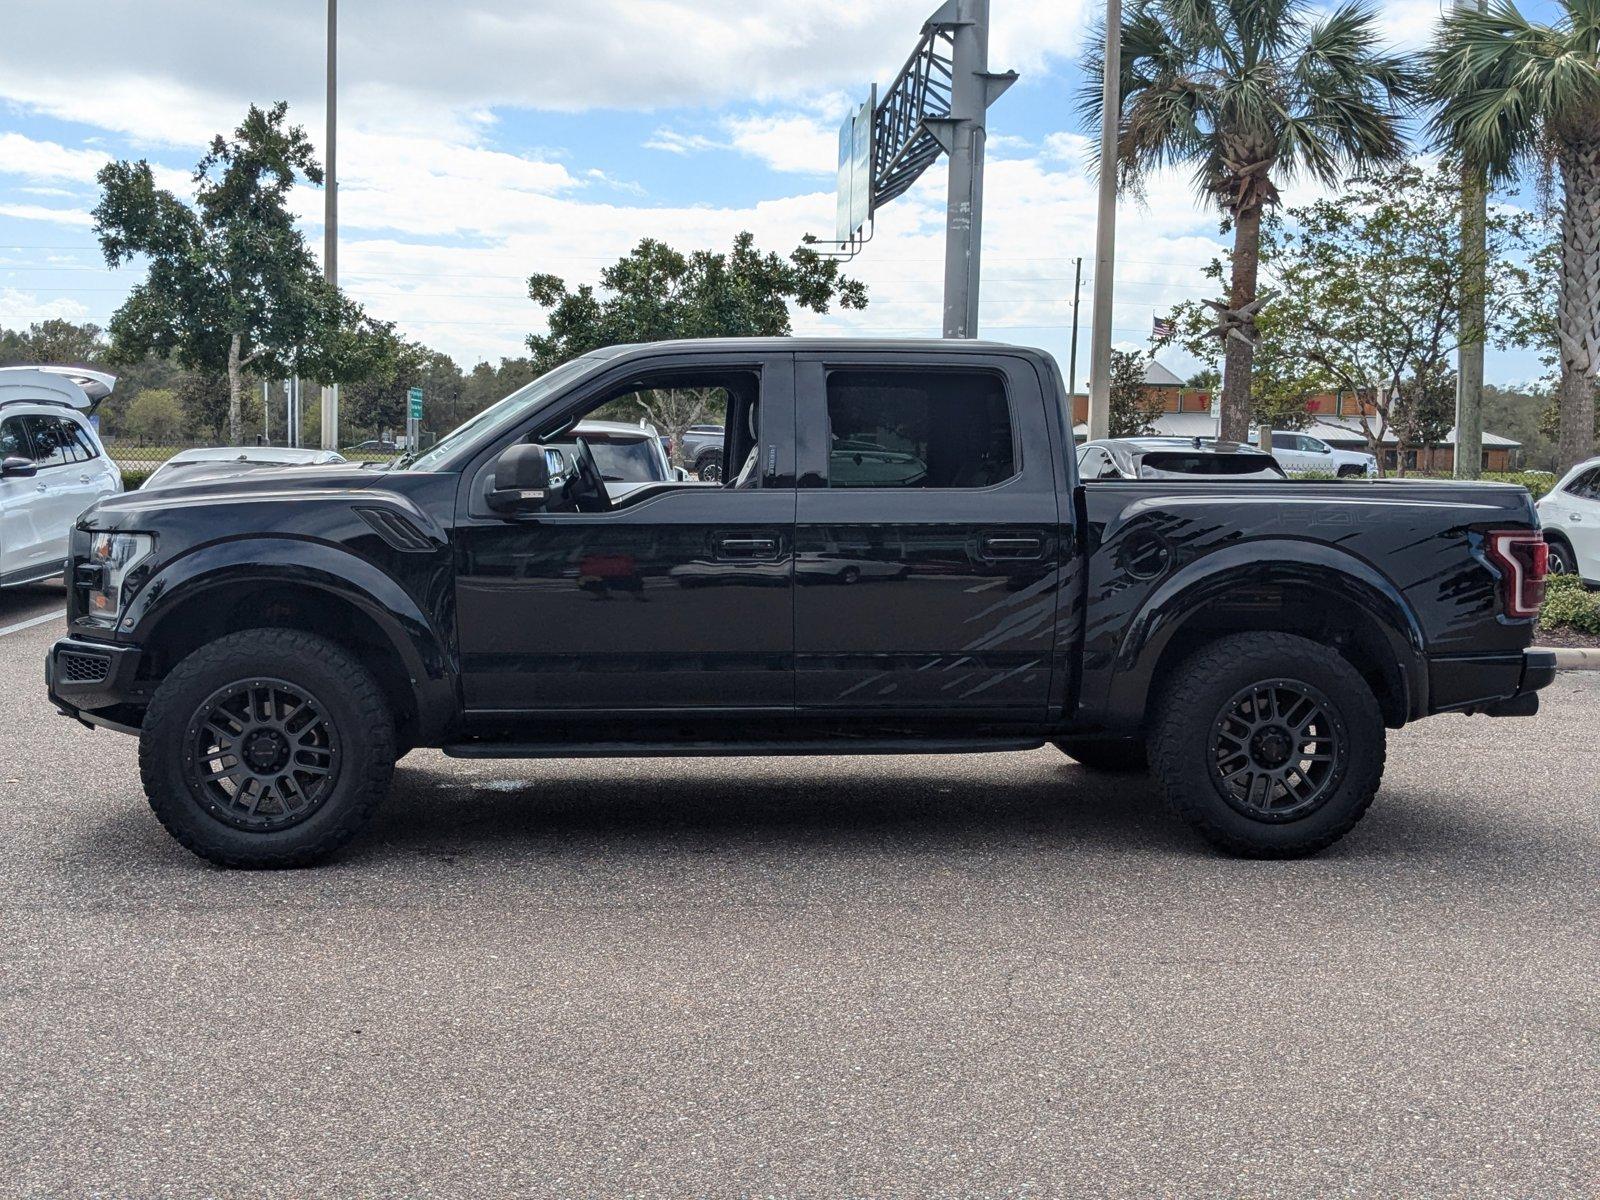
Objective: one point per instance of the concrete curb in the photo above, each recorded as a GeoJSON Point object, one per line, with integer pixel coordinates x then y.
{"type": "Point", "coordinates": [1574, 658]}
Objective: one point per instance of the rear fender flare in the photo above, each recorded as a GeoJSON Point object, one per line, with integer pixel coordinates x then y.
{"type": "Point", "coordinates": [1186, 594]}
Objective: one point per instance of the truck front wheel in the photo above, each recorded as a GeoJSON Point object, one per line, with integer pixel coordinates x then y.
{"type": "Point", "coordinates": [1269, 745]}
{"type": "Point", "coordinates": [266, 748]}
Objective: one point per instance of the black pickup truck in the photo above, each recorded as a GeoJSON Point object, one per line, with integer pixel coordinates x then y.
{"type": "Point", "coordinates": [898, 557]}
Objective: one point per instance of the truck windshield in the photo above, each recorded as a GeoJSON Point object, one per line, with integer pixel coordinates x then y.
{"type": "Point", "coordinates": [497, 417]}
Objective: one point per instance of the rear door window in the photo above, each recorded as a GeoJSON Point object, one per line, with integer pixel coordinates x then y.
{"type": "Point", "coordinates": [14, 439]}
{"type": "Point", "coordinates": [918, 429]}
{"type": "Point", "coordinates": [1586, 486]}
{"type": "Point", "coordinates": [54, 443]}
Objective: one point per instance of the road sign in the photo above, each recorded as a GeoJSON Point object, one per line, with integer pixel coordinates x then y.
{"type": "Point", "coordinates": [855, 170]}
{"type": "Point", "coordinates": [415, 396]}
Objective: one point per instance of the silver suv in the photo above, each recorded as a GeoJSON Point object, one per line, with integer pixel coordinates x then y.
{"type": "Point", "coordinates": [52, 465]}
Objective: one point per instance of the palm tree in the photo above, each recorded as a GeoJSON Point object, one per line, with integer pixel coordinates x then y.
{"type": "Point", "coordinates": [1514, 94]}
{"type": "Point", "coordinates": [1250, 93]}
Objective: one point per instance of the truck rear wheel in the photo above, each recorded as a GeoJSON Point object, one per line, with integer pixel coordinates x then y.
{"type": "Point", "coordinates": [1269, 745]}
{"type": "Point", "coordinates": [267, 748]}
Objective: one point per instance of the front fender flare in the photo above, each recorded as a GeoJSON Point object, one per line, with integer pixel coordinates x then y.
{"type": "Point", "coordinates": [423, 652]}
{"type": "Point", "coordinates": [1178, 599]}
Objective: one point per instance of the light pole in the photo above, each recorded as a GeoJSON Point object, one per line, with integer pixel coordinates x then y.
{"type": "Point", "coordinates": [330, 218]}
{"type": "Point", "coordinates": [1105, 249]}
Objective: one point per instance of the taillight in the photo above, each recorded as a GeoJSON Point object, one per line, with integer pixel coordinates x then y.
{"type": "Point", "coordinates": [1523, 561]}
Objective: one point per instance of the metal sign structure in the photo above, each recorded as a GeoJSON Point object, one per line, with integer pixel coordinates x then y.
{"type": "Point", "coordinates": [936, 105]}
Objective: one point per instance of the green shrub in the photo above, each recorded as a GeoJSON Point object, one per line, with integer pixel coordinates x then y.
{"type": "Point", "coordinates": [1537, 482]}
{"type": "Point", "coordinates": [132, 481]}
{"type": "Point", "coordinates": [1569, 605]}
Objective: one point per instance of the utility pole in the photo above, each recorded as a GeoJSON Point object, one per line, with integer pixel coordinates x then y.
{"type": "Point", "coordinates": [1470, 338]}
{"type": "Point", "coordinates": [1106, 229]}
{"type": "Point", "coordinates": [330, 217]}
{"type": "Point", "coordinates": [964, 136]}
{"type": "Point", "coordinates": [1072, 359]}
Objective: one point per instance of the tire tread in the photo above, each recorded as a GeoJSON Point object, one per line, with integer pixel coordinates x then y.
{"type": "Point", "coordinates": [1264, 652]}
{"type": "Point", "coordinates": [284, 644]}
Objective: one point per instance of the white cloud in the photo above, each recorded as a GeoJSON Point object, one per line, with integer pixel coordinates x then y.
{"type": "Point", "coordinates": [18, 308]}
{"type": "Point", "coordinates": [478, 54]}
{"type": "Point", "coordinates": [33, 159]}
{"type": "Point", "coordinates": [673, 142]}
{"type": "Point", "coordinates": [789, 142]}
{"type": "Point", "coordinates": [39, 212]}
{"type": "Point", "coordinates": [1409, 24]}
{"type": "Point", "coordinates": [796, 144]}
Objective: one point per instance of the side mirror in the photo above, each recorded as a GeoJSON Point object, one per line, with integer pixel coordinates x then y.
{"type": "Point", "coordinates": [680, 475]}
{"type": "Point", "coordinates": [17, 467]}
{"type": "Point", "coordinates": [527, 478]}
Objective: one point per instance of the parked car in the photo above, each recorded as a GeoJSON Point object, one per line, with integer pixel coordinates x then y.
{"type": "Point", "coordinates": [1173, 458]}
{"type": "Point", "coordinates": [1570, 513]}
{"type": "Point", "coordinates": [702, 450]}
{"type": "Point", "coordinates": [219, 462]}
{"type": "Point", "coordinates": [277, 641]}
{"type": "Point", "coordinates": [52, 465]}
{"type": "Point", "coordinates": [375, 446]}
{"type": "Point", "coordinates": [1302, 454]}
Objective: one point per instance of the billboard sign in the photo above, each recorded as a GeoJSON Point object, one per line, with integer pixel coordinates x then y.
{"type": "Point", "coordinates": [855, 171]}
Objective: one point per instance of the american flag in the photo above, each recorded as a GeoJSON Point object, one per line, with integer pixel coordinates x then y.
{"type": "Point", "coordinates": [1163, 328]}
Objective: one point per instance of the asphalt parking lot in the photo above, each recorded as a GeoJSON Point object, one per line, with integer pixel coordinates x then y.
{"type": "Point", "coordinates": [989, 975]}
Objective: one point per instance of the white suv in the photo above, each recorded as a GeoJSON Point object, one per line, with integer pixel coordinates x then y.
{"type": "Point", "coordinates": [1570, 514]}
{"type": "Point", "coordinates": [52, 465]}
{"type": "Point", "coordinates": [1302, 454]}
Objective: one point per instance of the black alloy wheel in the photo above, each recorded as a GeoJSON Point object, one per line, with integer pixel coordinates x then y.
{"type": "Point", "coordinates": [1279, 750]}
{"type": "Point", "coordinates": [263, 754]}
{"type": "Point", "coordinates": [1269, 745]}
{"type": "Point", "coordinates": [267, 748]}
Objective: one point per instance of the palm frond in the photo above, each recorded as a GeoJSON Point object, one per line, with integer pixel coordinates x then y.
{"type": "Point", "coordinates": [1506, 86]}
{"type": "Point", "coordinates": [1238, 87]}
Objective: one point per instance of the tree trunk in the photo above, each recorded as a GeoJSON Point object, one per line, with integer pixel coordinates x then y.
{"type": "Point", "coordinates": [235, 392]}
{"type": "Point", "coordinates": [1239, 356]}
{"type": "Point", "coordinates": [1579, 318]}
{"type": "Point", "coordinates": [1470, 325]}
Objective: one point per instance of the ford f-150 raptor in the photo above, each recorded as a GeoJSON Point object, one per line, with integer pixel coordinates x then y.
{"type": "Point", "coordinates": [904, 560]}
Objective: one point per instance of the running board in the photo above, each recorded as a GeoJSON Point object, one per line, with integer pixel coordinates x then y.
{"type": "Point", "coordinates": [691, 749]}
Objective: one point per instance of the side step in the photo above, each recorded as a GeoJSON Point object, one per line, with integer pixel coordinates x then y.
{"type": "Point", "coordinates": [752, 749]}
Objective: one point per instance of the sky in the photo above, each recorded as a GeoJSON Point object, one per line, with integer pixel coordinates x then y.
{"type": "Point", "coordinates": [487, 140]}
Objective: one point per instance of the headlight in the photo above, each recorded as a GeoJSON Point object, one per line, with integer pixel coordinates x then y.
{"type": "Point", "coordinates": [116, 554]}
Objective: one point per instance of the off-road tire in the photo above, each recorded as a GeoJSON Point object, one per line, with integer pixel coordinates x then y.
{"type": "Point", "coordinates": [708, 468]}
{"type": "Point", "coordinates": [1183, 758]}
{"type": "Point", "coordinates": [1119, 755]}
{"type": "Point", "coordinates": [346, 691]}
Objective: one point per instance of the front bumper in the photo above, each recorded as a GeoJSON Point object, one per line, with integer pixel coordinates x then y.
{"type": "Point", "coordinates": [1497, 685]}
{"type": "Point", "coordinates": [96, 683]}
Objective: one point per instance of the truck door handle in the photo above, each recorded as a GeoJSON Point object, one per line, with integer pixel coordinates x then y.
{"type": "Point", "coordinates": [1015, 546]}
{"type": "Point", "coordinates": [746, 546]}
